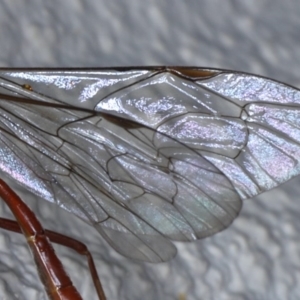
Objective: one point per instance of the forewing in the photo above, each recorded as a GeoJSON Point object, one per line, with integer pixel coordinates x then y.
{"type": "Point", "coordinates": [146, 156]}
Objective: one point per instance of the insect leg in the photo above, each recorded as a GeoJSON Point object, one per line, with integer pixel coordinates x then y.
{"type": "Point", "coordinates": [66, 241]}
{"type": "Point", "coordinates": [57, 283]}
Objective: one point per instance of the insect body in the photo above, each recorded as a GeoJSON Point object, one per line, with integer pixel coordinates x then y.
{"type": "Point", "coordinates": [148, 155]}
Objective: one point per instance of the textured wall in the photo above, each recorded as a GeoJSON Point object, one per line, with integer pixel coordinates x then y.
{"type": "Point", "coordinates": [258, 257]}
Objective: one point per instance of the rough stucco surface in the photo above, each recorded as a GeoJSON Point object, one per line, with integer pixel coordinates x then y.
{"type": "Point", "coordinates": [258, 257]}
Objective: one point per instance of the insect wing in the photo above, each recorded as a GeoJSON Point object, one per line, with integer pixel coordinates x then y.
{"type": "Point", "coordinates": [148, 155]}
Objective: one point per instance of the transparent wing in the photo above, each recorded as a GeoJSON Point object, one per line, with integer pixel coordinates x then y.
{"type": "Point", "coordinates": [148, 155]}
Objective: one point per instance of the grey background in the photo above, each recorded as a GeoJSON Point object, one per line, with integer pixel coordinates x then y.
{"type": "Point", "coordinates": [258, 256]}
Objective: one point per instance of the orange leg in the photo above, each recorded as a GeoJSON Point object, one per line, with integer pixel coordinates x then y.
{"type": "Point", "coordinates": [56, 281]}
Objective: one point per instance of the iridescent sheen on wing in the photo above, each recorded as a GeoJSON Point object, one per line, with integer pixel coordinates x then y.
{"type": "Point", "coordinates": [148, 155]}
